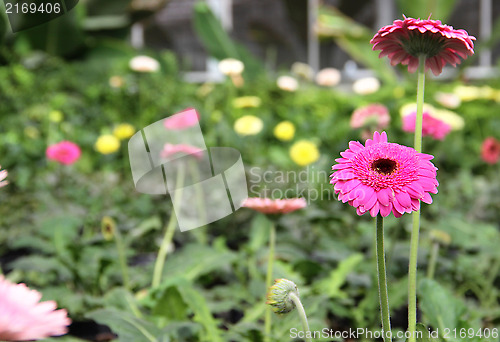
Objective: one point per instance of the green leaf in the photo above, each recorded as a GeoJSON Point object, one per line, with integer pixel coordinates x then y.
{"type": "Point", "coordinates": [201, 311]}
{"type": "Point", "coordinates": [195, 260]}
{"type": "Point", "coordinates": [171, 305]}
{"type": "Point", "coordinates": [441, 309]}
{"type": "Point", "coordinates": [332, 284]}
{"type": "Point", "coordinates": [126, 326]}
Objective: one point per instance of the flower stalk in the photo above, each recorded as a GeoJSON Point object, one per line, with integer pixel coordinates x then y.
{"type": "Point", "coordinates": [170, 229]}
{"type": "Point", "coordinates": [302, 313]}
{"type": "Point", "coordinates": [412, 267]}
{"type": "Point", "coordinates": [382, 279]}
{"type": "Point", "coordinates": [269, 277]}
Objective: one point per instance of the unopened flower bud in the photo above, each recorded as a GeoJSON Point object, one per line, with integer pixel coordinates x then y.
{"type": "Point", "coordinates": [278, 296]}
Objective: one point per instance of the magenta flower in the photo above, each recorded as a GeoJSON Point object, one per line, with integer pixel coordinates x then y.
{"type": "Point", "coordinates": [64, 152]}
{"type": "Point", "coordinates": [430, 125]}
{"type": "Point", "coordinates": [490, 150]}
{"type": "Point", "coordinates": [182, 120]}
{"type": "Point", "coordinates": [275, 206]}
{"type": "Point", "coordinates": [3, 175]}
{"type": "Point", "coordinates": [24, 318]}
{"type": "Point", "coordinates": [405, 40]}
{"type": "Point", "coordinates": [171, 149]}
{"type": "Point", "coordinates": [384, 177]}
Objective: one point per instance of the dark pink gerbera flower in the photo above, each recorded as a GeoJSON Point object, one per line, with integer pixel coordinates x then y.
{"type": "Point", "coordinates": [384, 177]}
{"type": "Point", "coordinates": [275, 206]}
{"type": "Point", "coordinates": [430, 125]}
{"type": "Point", "coordinates": [490, 150]}
{"type": "Point", "coordinates": [405, 40]}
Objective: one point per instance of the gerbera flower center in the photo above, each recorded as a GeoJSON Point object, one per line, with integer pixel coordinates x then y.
{"type": "Point", "coordinates": [384, 166]}
{"type": "Point", "coordinates": [428, 43]}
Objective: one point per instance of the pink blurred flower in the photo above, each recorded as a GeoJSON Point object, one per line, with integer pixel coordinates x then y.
{"type": "Point", "coordinates": [171, 149]}
{"type": "Point", "coordinates": [384, 177]}
{"type": "Point", "coordinates": [182, 120]}
{"type": "Point", "coordinates": [3, 175]}
{"type": "Point", "coordinates": [64, 152]}
{"type": "Point", "coordinates": [490, 150]}
{"type": "Point", "coordinates": [405, 40]}
{"type": "Point", "coordinates": [430, 125]}
{"type": "Point", "coordinates": [374, 115]}
{"type": "Point", "coordinates": [23, 317]}
{"type": "Point", "coordinates": [274, 206]}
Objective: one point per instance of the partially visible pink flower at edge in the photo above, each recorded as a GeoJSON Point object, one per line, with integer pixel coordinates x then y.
{"type": "Point", "coordinates": [490, 150]}
{"type": "Point", "coordinates": [23, 317]}
{"type": "Point", "coordinates": [3, 175]}
{"type": "Point", "coordinates": [405, 40]}
{"type": "Point", "coordinates": [274, 206]}
{"type": "Point", "coordinates": [171, 149]}
{"type": "Point", "coordinates": [64, 152]}
{"type": "Point", "coordinates": [430, 125]}
{"type": "Point", "coordinates": [182, 120]}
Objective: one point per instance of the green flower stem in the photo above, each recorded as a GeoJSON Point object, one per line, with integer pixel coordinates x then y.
{"type": "Point", "coordinates": [269, 279]}
{"type": "Point", "coordinates": [122, 258]}
{"type": "Point", "coordinates": [302, 313]}
{"type": "Point", "coordinates": [170, 230]}
{"type": "Point", "coordinates": [382, 279]}
{"type": "Point", "coordinates": [412, 267]}
{"type": "Point", "coordinates": [432, 261]}
{"type": "Point", "coordinates": [200, 234]}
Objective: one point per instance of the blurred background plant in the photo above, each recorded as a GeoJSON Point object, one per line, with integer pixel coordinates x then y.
{"type": "Point", "coordinates": [84, 237]}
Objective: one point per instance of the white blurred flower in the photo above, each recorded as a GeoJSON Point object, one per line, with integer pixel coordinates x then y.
{"type": "Point", "coordinates": [287, 83]}
{"type": "Point", "coordinates": [144, 64]}
{"type": "Point", "coordinates": [365, 86]}
{"type": "Point", "coordinates": [231, 66]}
{"type": "Point", "coordinates": [303, 70]}
{"type": "Point", "coordinates": [448, 100]}
{"type": "Point", "coordinates": [328, 77]}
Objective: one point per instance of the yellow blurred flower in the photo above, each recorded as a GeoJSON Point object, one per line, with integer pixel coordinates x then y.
{"type": "Point", "coordinates": [303, 70]}
{"type": "Point", "coordinates": [107, 144]}
{"type": "Point", "coordinates": [284, 131]}
{"type": "Point", "coordinates": [124, 131]}
{"type": "Point", "coordinates": [108, 228]}
{"type": "Point", "coordinates": [248, 125]}
{"type": "Point", "coordinates": [32, 132]}
{"type": "Point", "coordinates": [116, 82]}
{"type": "Point", "coordinates": [55, 116]}
{"type": "Point", "coordinates": [247, 102]}
{"type": "Point", "coordinates": [304, 152]}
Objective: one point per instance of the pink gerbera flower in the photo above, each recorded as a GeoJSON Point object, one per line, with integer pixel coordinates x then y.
{"type": "Point", "coordinates": [490, 150]}
{"type": "Point", "coordinates": [24, 318]}
{"type": "Point", "coordinates": [3, 175]}
{"type": "Point", "coordinates": [171, 149]}
{"type": "Point", "coordinates": [182, 120]}
{"type": "Point", "coordinates": [384, 177]}
{"type": "Point", "coordinates": [405, 40]}
{"type": "Point", "coordinates": [64, 152]}
{"type": "Point", "coordinates": [274, 206]}
{"type": "Point", "coordinates": [430, 125]}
